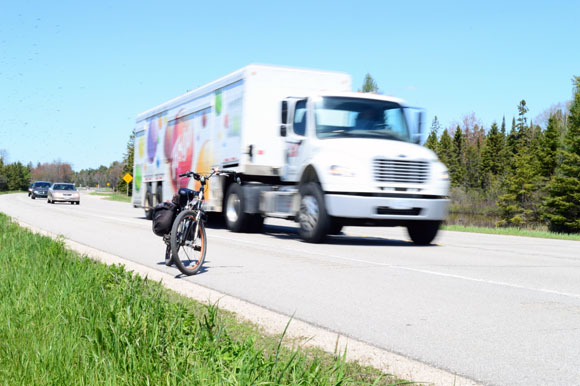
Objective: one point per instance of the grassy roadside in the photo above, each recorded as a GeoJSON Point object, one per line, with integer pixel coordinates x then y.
{"type": "Point", "coordinates": [513, 232]}
{"type": "Point", "coordinates": [113, 196]}
{"type": "Point", "coordinates": [65, 319]}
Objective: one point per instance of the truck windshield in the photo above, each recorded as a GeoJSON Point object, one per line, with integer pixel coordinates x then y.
{"type": "Point", "coordinates": [338, 117]}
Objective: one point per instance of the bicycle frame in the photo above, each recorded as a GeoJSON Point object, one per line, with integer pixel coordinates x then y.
{"type": "Point", "coordinates": [196, 203]}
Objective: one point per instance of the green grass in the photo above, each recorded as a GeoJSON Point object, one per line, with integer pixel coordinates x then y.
{"type": "Point", "coordinates": [66, 319]}
{"type": "Point", "coordinates": [513, 232]}
{"type": "Point", "coordinates": [113, 196]}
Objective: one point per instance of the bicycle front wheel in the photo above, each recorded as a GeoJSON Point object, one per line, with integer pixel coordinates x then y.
{"type": "Point", "coordinates": [188, 242]}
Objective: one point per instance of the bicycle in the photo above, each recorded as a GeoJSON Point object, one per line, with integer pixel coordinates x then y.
{"type": "Point", "coordinates": [187, 243]}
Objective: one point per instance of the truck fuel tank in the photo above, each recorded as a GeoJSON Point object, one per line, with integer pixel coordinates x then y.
{"type": "Point", "coordinates": [280, 203]}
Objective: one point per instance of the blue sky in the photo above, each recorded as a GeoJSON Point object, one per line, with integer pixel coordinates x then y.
{"type": "Point", "coordinates": [74, 75]}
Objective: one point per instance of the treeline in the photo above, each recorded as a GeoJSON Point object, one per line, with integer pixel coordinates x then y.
{"type": "Point", "coordinates": [17, 176]}
{"type": "Point", "coordinates": [14, 176]}
{"type": "Point", "coordinates": [530, 175]}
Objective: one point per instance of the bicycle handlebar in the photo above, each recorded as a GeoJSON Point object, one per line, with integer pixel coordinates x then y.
{"type": "Point", "coordinates": [214, 171]}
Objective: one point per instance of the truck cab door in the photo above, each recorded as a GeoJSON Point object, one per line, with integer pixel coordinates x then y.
{"type": "Point", "coordinates": [294, 141]}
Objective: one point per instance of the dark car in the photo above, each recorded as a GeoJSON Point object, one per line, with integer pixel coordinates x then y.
{"type": "Point", "coordinates": [39, 189]}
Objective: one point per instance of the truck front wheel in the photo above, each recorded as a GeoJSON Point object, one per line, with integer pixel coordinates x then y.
{"type": "Point", "coordinates": [423, 232]}
{"type": "Point", "coordinates": [312, 217]}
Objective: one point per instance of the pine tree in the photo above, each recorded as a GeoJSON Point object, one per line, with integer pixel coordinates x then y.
{"type": "Point", "coordinates": [432, 142]}
{"type": "Point", "coordinates": [472, 162]}
{"type": "Point", "coordinates": [17, 175]}
{"type": "Point", "coordinates": [503, 126]}
{"type": "Point", "coordinates": [3, 178]}
{"type": "Point", "coordinates": [369, 84]}
{"type": "Point", "coordinates": [492, 156]}
{"type": "Point", "coordinates": [521, 204]}
{"type": "Point", "coordinates": [457, 163]}
{"type": "Point", "coordinates": [562, 206]}
{"type": "Point", "coordinates": [549, 146]}
{"type": "Point", "coordinates": [511, 143]}
{"type": "Point", "coordinates": [445, 149]}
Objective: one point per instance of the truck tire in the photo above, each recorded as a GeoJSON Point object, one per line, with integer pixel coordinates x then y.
{"type": "Point", "coordinates": [149, 204]}
{"type": "Point", "coordinates": [423, 232]}
{"type": "Point", "coordinates": [159, 194]}
{"type": "Point", "coordinates": [236, 219]}
{"type": "Point", "coordinates": [312, 217]}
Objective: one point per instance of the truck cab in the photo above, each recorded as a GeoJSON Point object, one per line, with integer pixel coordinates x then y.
{"type": "Point", "coordinates": [303, 147]}
{"type": "Point", "coordinates": [355, 160]}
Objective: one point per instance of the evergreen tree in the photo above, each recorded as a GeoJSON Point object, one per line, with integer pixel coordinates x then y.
{"type": "Point", "coordinates": [432, 142]}
{"type": "Point", "coordinates": [17, 176]}
{"type": "Point", "coordinates": [521, 204]}
{"type": "Point", "coordinates": [472, 162]}
{"type": "Point", "coordinates": [492, 155]}
{"type": "Point", "coordinates": [562, 206]}
{"type": "Point", "coordinates": [511, 143]}
{"type": "Point", "coordinates": [503, 126]}
{"type": "Point", "coordinates": [369, 84]}
{"type": "Point", "coordinates": [457, 162]}
{"type": "Point", "coordinates": [3, 179]}
{"type": "Point", "coordinates": [522, 110]}
{"type": "Point", "coordinates": [445, 149]}
{"type": "Point", "coordinates": [549, 146]}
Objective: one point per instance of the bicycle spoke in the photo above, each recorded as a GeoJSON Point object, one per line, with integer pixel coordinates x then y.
{"type": "Point", "coordinates": [190, 251]}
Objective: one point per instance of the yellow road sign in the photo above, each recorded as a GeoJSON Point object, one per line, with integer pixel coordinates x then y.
{"type": "Point", "coordinates": [128, 178]}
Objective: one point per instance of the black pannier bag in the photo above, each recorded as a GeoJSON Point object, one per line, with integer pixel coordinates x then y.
{"type": "Point", "coordinates": [183, 196]}
{"type": "Point", "coordinates": [163, 216]}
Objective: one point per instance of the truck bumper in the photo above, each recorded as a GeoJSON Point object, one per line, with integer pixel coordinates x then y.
{"type": "Point", "coordinates": [378, 207]}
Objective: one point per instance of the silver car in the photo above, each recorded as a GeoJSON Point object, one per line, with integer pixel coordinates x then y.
{"type": "Point", "coordinates": [63, 192]}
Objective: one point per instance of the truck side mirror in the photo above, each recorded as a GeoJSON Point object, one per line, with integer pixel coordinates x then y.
{"type": "Point", "coordinates": [420, 119]}
{"type": "Point", "coordinates": [284, 118]}
{"type": "Point", "coordinates": [417, 133]}
{"type": "Point", "coordinates": [284, 111]}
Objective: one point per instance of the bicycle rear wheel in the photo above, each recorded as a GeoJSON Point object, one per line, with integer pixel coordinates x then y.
{"type": "Point", "coordinates": [188, 243]}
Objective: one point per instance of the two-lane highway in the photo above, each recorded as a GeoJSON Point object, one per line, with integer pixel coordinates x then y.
{"type": "Point", "coordinates": [500, 310]}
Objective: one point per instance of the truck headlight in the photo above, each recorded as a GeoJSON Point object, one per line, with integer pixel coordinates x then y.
{"type": "Point", "coordinates": [342, 171]}
{"type": "Point", "coordinates": [440, 171]}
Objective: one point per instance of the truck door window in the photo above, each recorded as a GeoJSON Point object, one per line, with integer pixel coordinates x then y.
{"type": "Point", "coordinates": [299, 124]}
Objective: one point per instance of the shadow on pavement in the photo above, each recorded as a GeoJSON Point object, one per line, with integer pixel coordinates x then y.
{"type": "Point", "coordinates": [291, 233]}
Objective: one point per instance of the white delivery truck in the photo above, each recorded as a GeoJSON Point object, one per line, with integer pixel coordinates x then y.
{"type": "Point", "coordinates": [305, 148]}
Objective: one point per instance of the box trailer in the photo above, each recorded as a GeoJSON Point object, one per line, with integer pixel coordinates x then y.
{"type": "Point", "coordinates": [305, 148]}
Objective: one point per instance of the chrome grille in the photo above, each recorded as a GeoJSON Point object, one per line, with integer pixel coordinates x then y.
{"type": "Point", "coordinates": [400, 171]}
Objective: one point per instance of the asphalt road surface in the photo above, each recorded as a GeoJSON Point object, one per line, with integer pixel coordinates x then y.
{"type": "Point", "coordinates": [500, 310]}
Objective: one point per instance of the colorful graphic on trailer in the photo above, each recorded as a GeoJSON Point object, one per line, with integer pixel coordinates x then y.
{"type": "Point", "coordinates": [197, 135]}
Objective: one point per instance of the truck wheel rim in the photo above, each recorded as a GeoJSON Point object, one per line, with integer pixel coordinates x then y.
{"type": "Point", "coordinates": [309, 213]}
{"type": "Point", "coordinates": [233, 208]}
